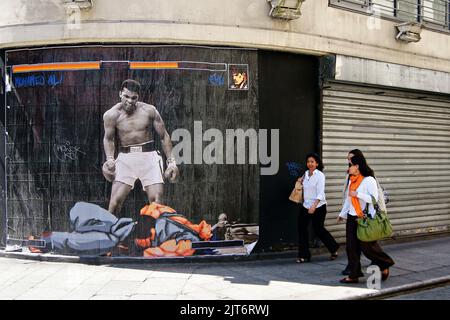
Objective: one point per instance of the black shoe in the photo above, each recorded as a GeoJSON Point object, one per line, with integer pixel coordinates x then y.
{"type": "Point", "coordinates": [385, 274]}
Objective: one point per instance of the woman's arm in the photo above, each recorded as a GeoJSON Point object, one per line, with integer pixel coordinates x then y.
{"type": "Point", "coordinates": [345, 208]}
{"type": "Point", "coordinates": [320, 188]}
{"type": "Point", "coordinates": [372, 190]}
{"type": "Point", "coordinates": [314, 206]}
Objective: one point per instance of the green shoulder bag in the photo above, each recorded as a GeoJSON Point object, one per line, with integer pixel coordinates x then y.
{"type": "Point", "coordinates": [373, 229]}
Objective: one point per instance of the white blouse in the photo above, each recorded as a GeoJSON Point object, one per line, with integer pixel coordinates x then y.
{"type": "Point", "coordinates": [366, 189]}
{"type": "Point", "coordinates": [313, 189]}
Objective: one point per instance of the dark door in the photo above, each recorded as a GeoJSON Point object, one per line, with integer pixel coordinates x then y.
{"type": "Point", "coordinates": [289, 94]}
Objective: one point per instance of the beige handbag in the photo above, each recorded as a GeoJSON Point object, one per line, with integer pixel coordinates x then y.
{"type": "Point", "coordinates": [297, 193]}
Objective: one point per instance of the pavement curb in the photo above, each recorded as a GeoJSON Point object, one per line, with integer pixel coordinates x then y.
{"type": "Point", "coordinates": [95, 260]}
{"type": "Point", "coordinates": [401, 289]}
{"type": "Point", "coordinates": [254, 256]}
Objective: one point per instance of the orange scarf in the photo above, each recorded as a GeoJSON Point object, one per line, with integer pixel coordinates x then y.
{"type": "Point", "coordinates": [355, 181]}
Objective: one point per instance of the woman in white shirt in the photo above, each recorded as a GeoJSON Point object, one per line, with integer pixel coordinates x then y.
{"type": "Point", "coordinates": [362, 187]}
{"type": "Point", "coordinates": [314, 207]}
{"type": "Point", "coordinates": [346, 271]}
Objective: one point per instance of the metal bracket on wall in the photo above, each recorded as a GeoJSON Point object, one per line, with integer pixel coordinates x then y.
{"type": "Point", "coordinates": [80, 4]}
{"type": "Point", "coordinates": [409, 31]}
{"type": "Point", "coordinates": [285, 9]}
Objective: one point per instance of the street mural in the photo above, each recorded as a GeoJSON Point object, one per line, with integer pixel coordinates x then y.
{"type": "Point", "coordinates": [118, 151]}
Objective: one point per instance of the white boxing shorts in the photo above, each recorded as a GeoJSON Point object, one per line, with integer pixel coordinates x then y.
{"type": "Point", "coordinates": [145, 166]}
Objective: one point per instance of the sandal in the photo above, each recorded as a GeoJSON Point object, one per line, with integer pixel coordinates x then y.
{"type": "Point", "coordinates": [385, 274]}
{"type": "Point", "coordinates": [349, 280]}
{"type": "Point", "coordinates": [303, 260]}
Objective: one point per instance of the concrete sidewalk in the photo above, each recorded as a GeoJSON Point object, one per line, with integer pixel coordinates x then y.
{"type": "Point", "coordinates": [417, 263]}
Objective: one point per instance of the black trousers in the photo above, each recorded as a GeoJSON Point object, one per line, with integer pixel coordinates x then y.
{"type": "Point", "coordinates": [318, 219]}
{"type": "Point", "coordinates": [371, 250]}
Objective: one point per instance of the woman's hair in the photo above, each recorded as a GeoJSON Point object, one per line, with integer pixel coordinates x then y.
{"type": "Point", "coordinates": [364, 168]}
{"type": "Point", "coordinates": [316, 157]}
{"type": "Point", "coordinates": [356, 152]}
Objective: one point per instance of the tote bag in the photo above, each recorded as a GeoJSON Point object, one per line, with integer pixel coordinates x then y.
{"type": "Point", "coordinates": [297, 193]}
{"type": "Point", "coordinates": [373, 229]}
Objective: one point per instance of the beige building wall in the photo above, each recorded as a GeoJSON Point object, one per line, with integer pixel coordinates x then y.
{"type": "Point", "coordinates": [320, 30]}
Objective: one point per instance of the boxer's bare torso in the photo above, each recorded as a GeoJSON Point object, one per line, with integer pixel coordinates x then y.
{"type": "Point", "coordinates": [132, 128]}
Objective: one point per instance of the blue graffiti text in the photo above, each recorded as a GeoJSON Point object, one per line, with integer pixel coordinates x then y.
{"type": "Point", "coordinates": [293, 168]}
{"type": "Point", "coordinates": [216, 79]}
{"type": "Point", "coordinates": [41, 80]}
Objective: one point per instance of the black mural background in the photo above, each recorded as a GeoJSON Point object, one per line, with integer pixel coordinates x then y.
{"type": "Point", "coordinates": [44, 184]}
{"type": "Point", "coordinates": [2, 156]}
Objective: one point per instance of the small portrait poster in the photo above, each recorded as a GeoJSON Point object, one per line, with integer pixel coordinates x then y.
{"type": "Point", "coordinates": [238, 77]}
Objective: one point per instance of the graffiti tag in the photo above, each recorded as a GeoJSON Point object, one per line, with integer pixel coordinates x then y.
{"type": "Point", "coordinates": [216, 79]}
{"type": "Point", "coordinates": [52, 80]}
{"type": "Point", "coordinates": [66, 152]}
{"type": "Point", "coordinates": [293, 168]}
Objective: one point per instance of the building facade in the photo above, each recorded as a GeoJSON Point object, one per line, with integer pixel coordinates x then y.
{"type": "Point", "coordinates": [330, 75]}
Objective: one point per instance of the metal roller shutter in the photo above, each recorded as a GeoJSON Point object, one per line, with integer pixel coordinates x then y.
{"type": "Point", "coordinates": [406, 139]}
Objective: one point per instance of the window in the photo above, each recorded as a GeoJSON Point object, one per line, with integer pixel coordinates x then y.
{"type": "Point", "coordinates": [384, 7]}
{"type": "Point", "coordinates": [436, 11]}
{"type": "Point", "coordinates": [407, 10]}
{"type": "Point", "coordinates": [351, 4]}
{"type": "Point", "coordinates": [434, 14]}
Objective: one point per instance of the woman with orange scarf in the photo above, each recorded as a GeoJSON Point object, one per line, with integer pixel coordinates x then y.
{"type": "Point", "coordinates": [362, 186]}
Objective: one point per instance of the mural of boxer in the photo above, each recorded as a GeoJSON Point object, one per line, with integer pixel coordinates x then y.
{"type": "Point", "coordinates": [132, 121]}
{"type": "Point", "coordinates": [83, 132]}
